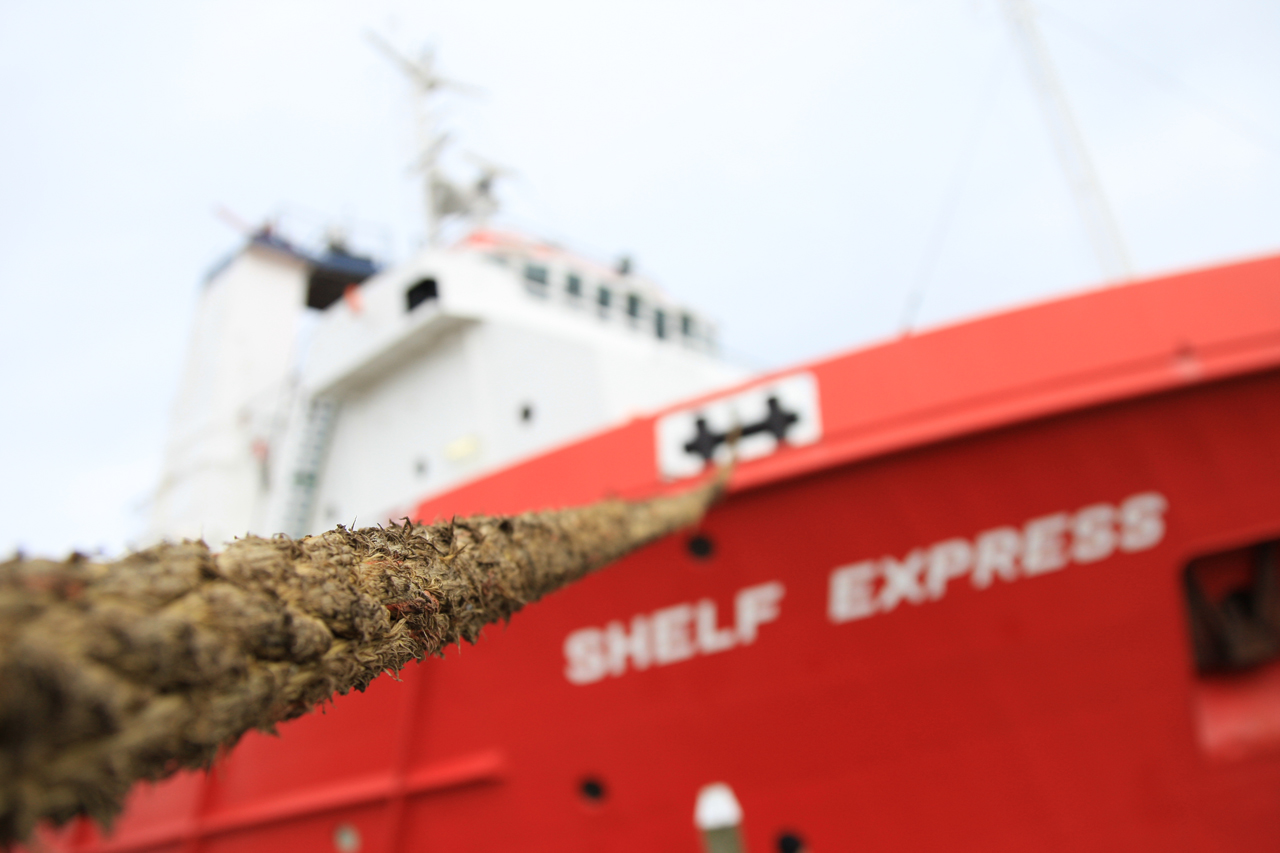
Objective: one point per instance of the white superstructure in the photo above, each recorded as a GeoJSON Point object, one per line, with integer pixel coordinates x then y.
{"type": "Point", "coordinates": [393, 387]}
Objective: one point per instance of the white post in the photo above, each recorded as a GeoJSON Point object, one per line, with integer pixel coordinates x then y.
{"type": "Point", "coordinates": [718, 817]}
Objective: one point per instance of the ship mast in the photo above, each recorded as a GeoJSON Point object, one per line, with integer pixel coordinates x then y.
{"type": "Point", "coordinates": [1100, 224]}
{"type": "Point", "coordinates": [442, 197]}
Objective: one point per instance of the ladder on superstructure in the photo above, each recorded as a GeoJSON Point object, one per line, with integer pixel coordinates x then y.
{"type": "Point", "coordinates": [321, 414]}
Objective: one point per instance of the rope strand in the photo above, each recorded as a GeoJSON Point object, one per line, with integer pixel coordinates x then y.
{"type": "Point", "coordinates": [115, 672]}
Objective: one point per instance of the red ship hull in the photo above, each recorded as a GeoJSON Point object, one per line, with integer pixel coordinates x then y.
{"type": "Point", "coordinates": [956, 620]}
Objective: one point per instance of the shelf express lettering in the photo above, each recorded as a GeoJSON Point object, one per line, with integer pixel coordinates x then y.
{"type": "Point", "coordinates": [1041, 545]}
{"type": "Point", "coordinates": [856, 591]}
{"type": "Point", "coordinates": [669, 635]}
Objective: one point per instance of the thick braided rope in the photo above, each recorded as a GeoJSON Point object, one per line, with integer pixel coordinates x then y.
{"type": "Point", "coordinates": [114, 672]}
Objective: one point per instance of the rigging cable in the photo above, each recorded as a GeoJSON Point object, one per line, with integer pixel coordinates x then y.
{"type": "Point", "coordinates": [951, 198]}
{"type": "Point", "coordinates": [1155, 74]}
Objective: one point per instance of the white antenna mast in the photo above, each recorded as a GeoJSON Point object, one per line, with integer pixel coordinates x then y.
{"type": "Point", "coordinates": [1101, 226]}
{"type": "Point", "coordinates": [439, 194]}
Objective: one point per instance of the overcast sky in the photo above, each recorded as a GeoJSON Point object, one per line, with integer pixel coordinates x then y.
{"type": "Point", "coordinates": [795, 170]}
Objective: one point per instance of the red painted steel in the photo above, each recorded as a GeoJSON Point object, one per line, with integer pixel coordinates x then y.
{"type": "Point", "coordinates": [1051, 710]}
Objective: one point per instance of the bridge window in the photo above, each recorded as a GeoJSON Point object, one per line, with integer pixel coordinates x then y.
{"type": "Point", "coordinates": [535, 278]}
{"type": "Point", "coordinates": [660, 323]}
{"type": "Point", "coordinates": [424, 290]}
{"type": "Point", "coordinates": [633, 305]}
{"type": "Point", "coordinates": [604, 296]}
{"type": "Point", "coordinates": [573, 285]}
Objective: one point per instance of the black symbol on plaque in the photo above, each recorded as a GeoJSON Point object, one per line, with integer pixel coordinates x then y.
{"type": "Point", "coordinates": [776, 422]}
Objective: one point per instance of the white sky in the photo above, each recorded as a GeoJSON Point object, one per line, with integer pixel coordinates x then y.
{"type": "Point", "coordinates": [784, 167]}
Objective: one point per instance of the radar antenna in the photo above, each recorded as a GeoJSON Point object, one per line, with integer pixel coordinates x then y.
{"type": "Point", "coordinates": [484, 204]}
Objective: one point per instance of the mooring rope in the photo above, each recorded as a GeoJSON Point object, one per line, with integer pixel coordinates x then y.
{"type": "Point", "coordinates": [111, 672]}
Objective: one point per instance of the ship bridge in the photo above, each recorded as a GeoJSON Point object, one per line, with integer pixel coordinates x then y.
{"type": "Point", "coordinates": [322, 388]}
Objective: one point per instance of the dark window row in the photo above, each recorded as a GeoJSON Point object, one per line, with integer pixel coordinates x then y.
{"type": "Point", "coordinates": [537, 280]}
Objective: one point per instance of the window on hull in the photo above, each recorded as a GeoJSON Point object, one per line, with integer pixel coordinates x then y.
{"type": "Point", "coordinates": [1233, 609]}
{"type": "Point", "coordinates": [1233, 605]}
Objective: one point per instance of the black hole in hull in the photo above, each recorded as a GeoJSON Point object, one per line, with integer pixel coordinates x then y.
{"type": "Point", "coordinates": [701, 547]}
{"type": "Point", "coordinates": [789, 842]}
{"type": "Point", "coordinates": [592, 790]}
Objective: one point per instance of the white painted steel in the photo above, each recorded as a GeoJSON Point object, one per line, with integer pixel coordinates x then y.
{"type": "Point", "coordinates": [294, 420]}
